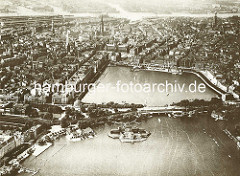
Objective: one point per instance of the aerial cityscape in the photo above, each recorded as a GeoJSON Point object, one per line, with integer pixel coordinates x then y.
{"type": "Point", "coordinates": [128, 88]}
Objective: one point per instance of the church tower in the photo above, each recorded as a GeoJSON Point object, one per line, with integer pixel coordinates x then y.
{"type": "Point", "coordinates": [102, 25]}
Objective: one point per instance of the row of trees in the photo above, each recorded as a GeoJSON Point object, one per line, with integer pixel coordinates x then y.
{"type": "Point", "coordinates": [231, 112]}
{"type": "Point", "coordinates": [213, 104]}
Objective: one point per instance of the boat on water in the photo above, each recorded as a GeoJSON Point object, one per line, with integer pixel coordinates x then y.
{"type": "Point", "coordinates": [131, 137]}
{"type": "Point", "coordinates": [136, 69]}
{"type": "Point", "coordinates": [75, 136]}
{"type": "Point", "coordinates": [144, 133]}
{"type": "Point", "coordinates": [80, 134]}
{"type": "Point", "coordinates": [174, 72]}
{"type": "Point", "coordinates": [180, 73]}
{"type": "Point", "coordinates": [129, 134]}
{"type": "Point", "coordinates": [178, 114]}
{"type": "Point", "coordinates": [115, 133]}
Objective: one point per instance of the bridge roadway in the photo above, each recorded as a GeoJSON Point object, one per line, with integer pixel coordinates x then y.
{"type": "Point", "coordinates": [160, 109]}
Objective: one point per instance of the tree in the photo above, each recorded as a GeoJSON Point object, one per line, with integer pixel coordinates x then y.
{"type": "Point", "coordinates": [28, 110]}
{"type": "Point", "coordinates": [48, 116]}
{"type": "Point", "coordinates": [184, 103]}
{"type": "Point", "coordinates": [68, 111]}
{"type": "Point", "coordinates": [134, 108]}
{"type": "Point", "coordinates": [34, 113]}
{"type": "Point", "coordinates": [78, 115]}
{"type": "Point", "coordinates": [83, 109]}
{"type": "Point", "coordinates": [116, 110]}
{"type": "Point", "coordinates": [90, 109]}
{"type": "Point", "coordinates": [64, 122]}
{"type": "Point", "coordinates": [216, 101]}
{"type": "Point", "coordinates": [237, 130]}
{"type": "Point", "coordinates": [92, 115]}
{"type": "Point", "coordinates": [41, 142]}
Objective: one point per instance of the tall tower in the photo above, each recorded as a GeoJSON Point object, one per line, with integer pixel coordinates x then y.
{"type": "Point", "coordinates": [67, 42]}
{"type": "Point", "coordinates": [113, 31]}
{"type": "Point", "coordinates": [1, 26]}
{"type": "Point", "coordinates": [215, 19]}
{"type": "Point", "coordinates": [67, 38]}
{"type": "Point", "coordinates": [102, 25]}
{"type": "Point", "coordinates": [53, 30]}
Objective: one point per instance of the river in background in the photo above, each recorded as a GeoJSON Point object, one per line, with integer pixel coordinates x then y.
{"type": "Point", "coordinates": [132, 16]}
{"type": "Point", "coordinates": [112, 75]}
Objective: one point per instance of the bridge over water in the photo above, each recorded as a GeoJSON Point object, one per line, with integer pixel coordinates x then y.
{"type": "Point", "coordinates": [160, 109]}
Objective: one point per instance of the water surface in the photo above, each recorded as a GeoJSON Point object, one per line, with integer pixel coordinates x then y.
{"type": "Point", "coordinates": [154, 98]}
{"type": "Point", "coordinates": [175, 148]}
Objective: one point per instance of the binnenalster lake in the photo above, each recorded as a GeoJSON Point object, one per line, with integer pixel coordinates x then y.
{"type": "Point", "coordinates": [112, 75]}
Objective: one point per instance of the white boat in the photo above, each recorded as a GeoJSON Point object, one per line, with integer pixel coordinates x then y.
{"type": "Point", "coordinates": [129, 134]}
{"type": "Point", "coordinates": [74, 138]}
{"type": "Point", "coordinates": [174, 71]}
{"type": "Point", "coordinates": [90, 137]}
{"type": "Point", "coordinates": [135, 69]}
{"type": "Point", "coordinates": [130, 137]}
{"type": "Point", "coordinates": [178, 114]}
{"type": "Point", "coordinates": [115, 133]}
